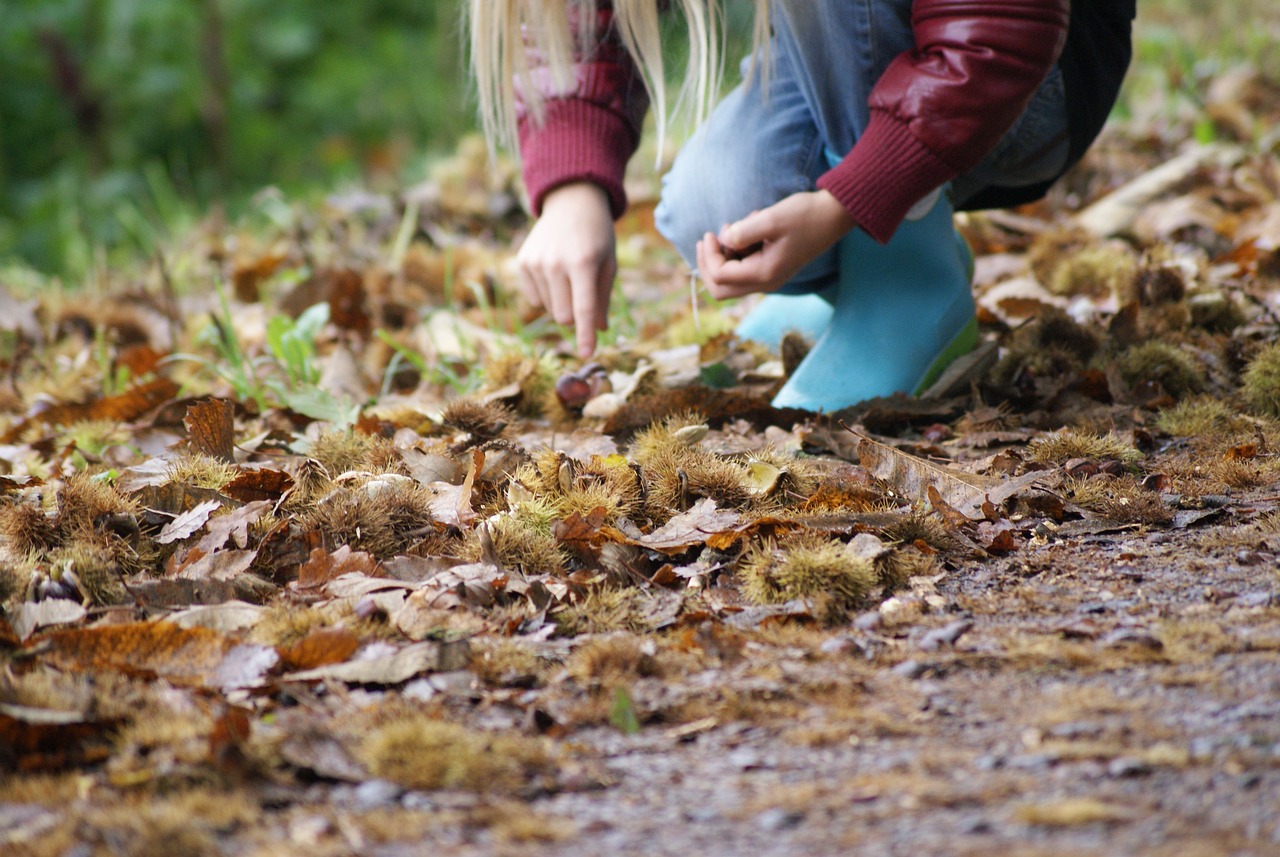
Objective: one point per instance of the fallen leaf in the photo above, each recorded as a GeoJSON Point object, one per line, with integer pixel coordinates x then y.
{"type": "Point", "coordinates": [182, 593]}
{"type": "Point", "coordinates": [223, 565]}
{"type": "Point", "coordinates": [122, 408]}
{"type": "Point", "coordinates": [322, 567]}
{"type": "Point", "coordinates": [319, 648]}
{"type": "Point", "coordinates": [259, 485]}
{"type": "Point", "coordinates": [211, 428]}
{"type": "Point", "coordinates": [188, 523]}
{"type": "Point", "coordinates": [233, 526]}
{"type": "Point", "coordinates": [182, 655]}
{"type": "Point", "coordinates": [912, 477]}
{"type": "Point", "coordinates": [1115, 213]}
{"type": "Point", "coordinates": [394, 668]}
{"type": "Point", "coordinates": [309, 746]}
{"type": "Point", "coordinates": [359, 584]}
{"type": "Point", "coordinates": [229, 617]}
{"type": "Point", "coordinates": [953, 517]}
{"type": "Point", "coordinates": [41, 739]}
{"type": "Point", "coordinates": [244, 666]}
{"type": "Point", "coordinates": [686, 529]}
{"type": "Point", "coordinates": [25, 618]}
{"type": "Point", "coordinates": [430, 467]}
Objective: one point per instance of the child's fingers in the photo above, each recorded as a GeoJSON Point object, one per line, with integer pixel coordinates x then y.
{"type": "Point", "coordinates": [534, 291]}
{"type": "Point", "coordinates": [583, 282]}
{"type": "Point", "coordinates": [755, 228]}
{"type": "Point", "coordinates": [604, 291]}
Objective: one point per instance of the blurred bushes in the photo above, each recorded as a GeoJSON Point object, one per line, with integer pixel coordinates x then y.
{"type": "Point", "coordinates": [119, 116]}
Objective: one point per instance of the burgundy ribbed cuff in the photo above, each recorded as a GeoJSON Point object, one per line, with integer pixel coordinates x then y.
{"type": "Point", "coordinates": [579, 141]}
{"type": "Point", "coordinates": [887, 172]}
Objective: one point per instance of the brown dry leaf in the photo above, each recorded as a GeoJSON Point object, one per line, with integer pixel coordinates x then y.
{"type": "Point", "coordinates": [139, 359]}
{"type": "Point", "coordinates": [173, 498]}
{"type": "Point", "coordinates": [310, 746]}
{"type": "Point", "coordinates": [953, 517]}
{"type": "Point", "coordinates": [224, 565]}
{"type": "Point", "coordinates": [134, 402]}
{"type": "Point", "coordinates": [25, 618]}
{"type": "Point", "coordinates": [245, 666]}
{"type": "Point", "coordinates": [248, 275]}
{"type": "Point", "coordinates": [321, 647]}
{"type": "Point", "coordinates": [428, 613]}
{"type": "Point", "coordinates": [432, 467]}
{"type": "Point", "coordinates": [151, 473]}
{"type": "Point", "coordinates": [1198, 210]}
{"type": "Point", "coordinates": [473, 584]}
{"type": "Point", "coordinates": [19, 315]}
{"type": "Point", "coordinates": [230, 617]}
{"type": "Point", "coordinates": [998, 537]}
{"type": "Point", "coordinates": [234, 526]}
{"type": "Point", "coordinates": [768, 524]}
{"type": "Point", "coordinates": [359, 585]}
{"type": "Point", "coordinates": [322, 566]}
{"type": "Point", "coordinates": [211, 428]}
{"type": "Point", "coordinates": [1244, 452]}
{"type": "Point", "coordinates": [261, 484]}
{"type": "Point", "coordinates": [382, 664]}
{"type": "Point", "coordinates": [122, 408]}
{"type": "Point", "coordinates": [1016, 300]}
{"type": "Point", "coordinates": [188, 523]}
{"type": "Point", "coordinates": [581, 534]}
{"type": "Point", "coordinates": [347, 301]}
{"type": "Point", "coordinates": [1115, 213]}
{"type": "Point", "coordinates": [912, 477]}
{"type": "Point", "coordinates": [39, 739]}
{"type": "Point", "coordinates": [181, 593]}
{"type": "Point", "coordinates": [685, 530]}
{"type": "Point", "coordinates": [182, 655]}
{"type": "Point", "coordinates": [464, 515]}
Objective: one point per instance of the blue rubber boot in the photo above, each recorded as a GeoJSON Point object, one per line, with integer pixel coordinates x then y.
{"type": "Point", "coordinates": [904, 311]}
{"type": "Point", "coordinates": [776, 314]}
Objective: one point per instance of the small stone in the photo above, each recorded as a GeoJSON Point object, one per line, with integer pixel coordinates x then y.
{"type": "Point", "coordinates": [947, 635]}
{"type": "Point", "coordinates": [702, 814]}
{"type": "Point", "coordinates": [842, 646]}
{"type": "Point", "coordinates": [976, 826]}
{"type": "Point", "coordinates": [910, 669]}
{"type": "Point", "coordinates": [989, 762]}
{"type": "Point", "coordinates": [1128, 766]}
{"type": "Point", "coordinates": [776, 819]}
{"type": "Point", "coordinates": [1033, 761]}
{"type": "Point", "coordinates": [1256, 599]}
{"type": "Point", "coordinates": [869, 621]}
{"type": "Point", "coordinates": [1133, 637]}
{"type": "Point", "coordinates": [376, 794]}
{"type": "Point", "coordinates": [746, 759]}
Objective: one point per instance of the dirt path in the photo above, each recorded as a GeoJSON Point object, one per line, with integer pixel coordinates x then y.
{"type": "Point", "coordinates": [1114, 696]}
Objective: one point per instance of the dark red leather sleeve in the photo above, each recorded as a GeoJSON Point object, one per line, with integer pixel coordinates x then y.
{"type": "Point", "coordinates": [589, 131]}
{"type": "Point", "coordinates": [939, 109]}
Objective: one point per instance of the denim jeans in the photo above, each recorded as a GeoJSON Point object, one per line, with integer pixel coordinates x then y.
{"type": "Point", "coordinates": [758, 147]}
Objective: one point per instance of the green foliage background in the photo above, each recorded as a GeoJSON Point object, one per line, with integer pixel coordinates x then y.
{"type": "Point", "coordinates": [124, 120]}
{"type": "Point", "coordinates": [119, 115]}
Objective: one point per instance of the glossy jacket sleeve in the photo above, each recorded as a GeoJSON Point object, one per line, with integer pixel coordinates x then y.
{"type": "Point", "coordinates": [940, 108]}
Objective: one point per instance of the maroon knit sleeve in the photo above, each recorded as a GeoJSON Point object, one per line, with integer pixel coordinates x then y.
{"type": "Point", "coordinates": [939, 109]}
{"type": "Point", "coordinates": [589, 131]}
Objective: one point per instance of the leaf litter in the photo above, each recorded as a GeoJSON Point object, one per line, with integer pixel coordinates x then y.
{"type": "Point", "coordinates": [406, 571]}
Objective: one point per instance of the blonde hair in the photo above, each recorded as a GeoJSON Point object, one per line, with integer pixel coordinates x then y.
{"type": "Point", "coordinates": [511, 39]}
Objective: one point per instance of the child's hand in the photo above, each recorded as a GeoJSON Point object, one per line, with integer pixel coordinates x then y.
{"type": "Point", "coordinates": [790, 234]}
{"type": "Point", "coordinates": [569, 260]}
